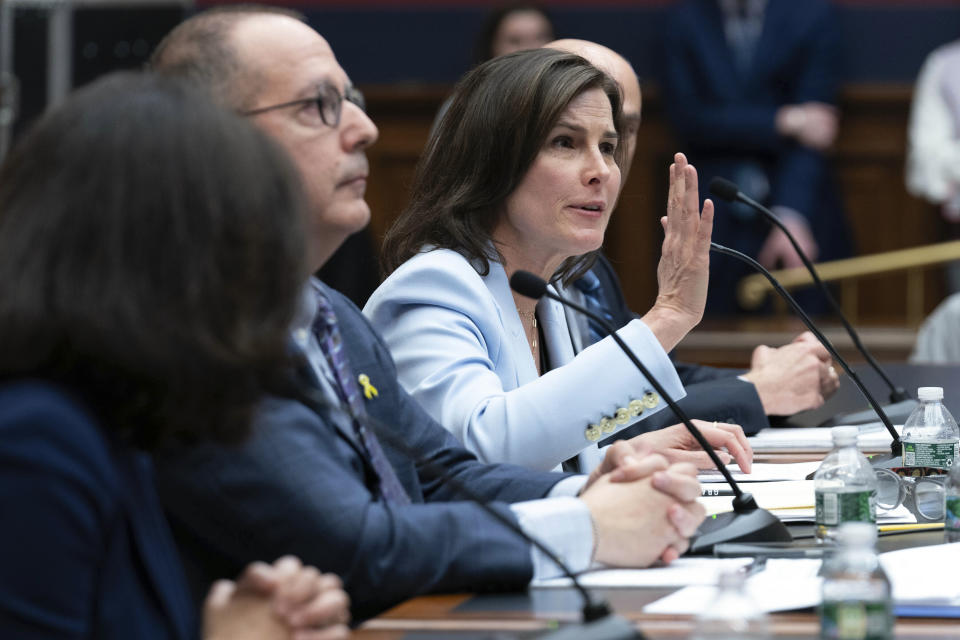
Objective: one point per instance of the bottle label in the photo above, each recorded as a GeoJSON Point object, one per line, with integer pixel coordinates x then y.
{"type": "Point", "coordinates": [848, 620]}
{"type": "Point", "coordinates": [930, 454]}
{"type": "Point", "coordinates": [952, 519]}
{"type": "Point", "coordinates": [855, 506]}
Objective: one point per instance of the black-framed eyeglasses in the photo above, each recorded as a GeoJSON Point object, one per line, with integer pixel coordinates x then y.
{"type": "Point", "coordinates": [922, 495]}
{"type": "Point", "coordinates": [329, 103]}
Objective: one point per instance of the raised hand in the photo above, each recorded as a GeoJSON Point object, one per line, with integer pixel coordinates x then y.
{"type": "Point", "coordinates": [684, 268]}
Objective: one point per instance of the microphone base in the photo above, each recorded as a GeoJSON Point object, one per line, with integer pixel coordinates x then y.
{"type": "Point", "coordinates": [757, 525]}
{"type": "Point", "coordinates": [608, 628]}
{"type": "Point", "coordinates": [897, 412]}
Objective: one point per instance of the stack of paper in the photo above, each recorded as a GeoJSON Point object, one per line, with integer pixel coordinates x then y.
{"type": "Point", "coordinates": [679, 573]}
{"type": "Point", "coordinates": [793, 501]}
{"type": "Point", "coordinates": [766, 589]}
{"type": "Point", "coordinates": [909, 571]}
{"type": "Point", "coordinates": [926, 575]}
{"type": "Point", "coordinates": [762, 472]}
{"type": "Point", "coordinates": [873, 438]}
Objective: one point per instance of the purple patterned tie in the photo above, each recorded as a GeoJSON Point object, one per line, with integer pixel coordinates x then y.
{"type": "Point", "coordinates": [328, 335]}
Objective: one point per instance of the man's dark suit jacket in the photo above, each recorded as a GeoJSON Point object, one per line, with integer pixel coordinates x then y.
{"type": "Point", "coordinates": [725, 118]}
{"type": "Point", "coordinates": [712, 393]}
{"type": "Point", "coordinates": [84, 548]}
{"type": "Point", "coordinates": [301, 485]}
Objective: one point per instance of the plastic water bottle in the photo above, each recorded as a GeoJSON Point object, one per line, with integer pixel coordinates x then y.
{"type": "Point", "coordinates": [951, 521]}
{"type": "Point", "coordinates": [930, 435]}
{"type": "Point", "coordinates": [732, 614]}
{"type": "Point", "coordinates": [857, 602]}
{"type": "Point", "coordinates": [845, 486]}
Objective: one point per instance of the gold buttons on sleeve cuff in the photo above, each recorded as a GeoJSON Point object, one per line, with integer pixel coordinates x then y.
{"type": "Point", "coordinates": [650, 400]}
{"type": "Point", "coordinates": [623, 415]}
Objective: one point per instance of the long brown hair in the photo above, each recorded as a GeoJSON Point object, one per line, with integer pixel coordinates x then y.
{"type": "Point", "coordinates": [499, 117]}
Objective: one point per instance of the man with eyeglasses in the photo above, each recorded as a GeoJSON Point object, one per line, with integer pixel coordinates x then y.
{"type": "Point", "coordinates": [315, 479]}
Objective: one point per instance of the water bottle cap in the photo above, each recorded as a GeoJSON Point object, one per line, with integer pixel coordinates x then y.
{"type": "Point", "coordinates": [844, 435]}
{"type": "Point", "coordinates": [929, 394]}
{"type": "Point", "coordinates": [857, 534]}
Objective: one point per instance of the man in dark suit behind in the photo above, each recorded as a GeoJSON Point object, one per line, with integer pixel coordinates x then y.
{"type": "Point", "coordinates": [780, 381]}
{"type": "Point", "coordinates": [314, 479]}
{"type": "Point", "coordinates": [750, 88]}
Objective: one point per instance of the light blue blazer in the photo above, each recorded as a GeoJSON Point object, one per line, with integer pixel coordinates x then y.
{"type": "Point", "coordinates": [461, 351]}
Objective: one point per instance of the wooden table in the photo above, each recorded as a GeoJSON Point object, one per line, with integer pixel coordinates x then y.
{"type": "Point", "coordinates": [527, 614]}
{"type": "Point", "coordinates": [524, 614]}
{"type": "Point", "coordinates": [519, 615]}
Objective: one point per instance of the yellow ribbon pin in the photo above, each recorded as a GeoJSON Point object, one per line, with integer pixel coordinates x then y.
{"type": "Point", "coordinates": [369, 391]}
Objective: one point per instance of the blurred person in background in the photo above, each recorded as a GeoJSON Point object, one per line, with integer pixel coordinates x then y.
{"type": "Point", "coordinates": [750, 88]}
{"type": "Point", "coordinates": [933, 150]}
{"type": "Point", "coordinates": [513, 27]}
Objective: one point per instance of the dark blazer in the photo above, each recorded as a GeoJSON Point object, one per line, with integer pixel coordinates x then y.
{"type": "Point", "coordinates": [301, 485]}
{"type": "Point", "coordinates": [725, 119]}
{"type": "Point", "coordinates": [712, 393]}
{"type": "Point", "coordinates": [84, 548]}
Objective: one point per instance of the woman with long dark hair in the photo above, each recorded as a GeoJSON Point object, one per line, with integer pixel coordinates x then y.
{"type": "Point", "coordinates": [522, 174]}
{"type": "Point", "coordinates": [151, 256]}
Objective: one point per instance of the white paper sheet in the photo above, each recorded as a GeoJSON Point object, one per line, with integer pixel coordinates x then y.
{"type": "Point", "coordinates": [679, 573]}
{"type": "Point", "coordinates": [762, 472]}
{"type": "Point", "coordinates": [792, 494]}
{"type": "Point", "coordinates": [768, 590]}
{"type": "Point", "coordinates": [873, 438]}
{"type": "Point", "coordinates": [924, 574]}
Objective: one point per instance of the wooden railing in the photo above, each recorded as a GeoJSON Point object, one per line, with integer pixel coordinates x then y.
{"type": "Point", "coordinates": [754, 289]}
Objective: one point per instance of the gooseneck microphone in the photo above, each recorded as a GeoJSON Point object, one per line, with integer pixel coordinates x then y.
{"type": "Point", "coordinates": [903, 403]}
{"type": "Point", "coordinates": [599, 623]}
{"type": "Point", "coordinates": [747, 522]}
{"type": "Point", "coordinates": [896, 447]}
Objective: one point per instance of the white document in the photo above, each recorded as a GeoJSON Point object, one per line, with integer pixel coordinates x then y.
{"type": "Point", "coordinates": [762, 472]}
{"type": "Point", "coordinates": [792, 494]}
{"type": "Point", "coordinates": [924, 574]}
{"type": "Point", "coordinates": [873, 438]}
{"type": "Point", "coordinates": [679, 573]}
{"type": "Point", "coordinates": [909, 571]}
{"type": "Point", "coordinates": [784, 585]}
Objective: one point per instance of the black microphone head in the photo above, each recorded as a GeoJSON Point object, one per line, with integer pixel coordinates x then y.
{"type": "Point", "coordinates": [724, 189]}
{"type": "Point", "coordinates": [527, 284]}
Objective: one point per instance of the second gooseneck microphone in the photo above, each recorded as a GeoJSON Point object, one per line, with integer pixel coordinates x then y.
{"type": "Point", "coordinates": [895, 446]}
{"type": "Point", "coordinates": [727, 190]}
{"type": "Point", "coordinates": [748, 522]}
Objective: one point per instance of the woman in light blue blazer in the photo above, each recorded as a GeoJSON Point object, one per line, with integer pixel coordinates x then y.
{"type": "Point", "coordinates": [522, 174]}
